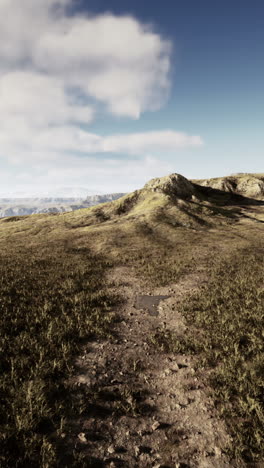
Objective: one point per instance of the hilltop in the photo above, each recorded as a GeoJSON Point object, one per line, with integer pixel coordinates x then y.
{"type": "Point", "coordinates": [248, 185]}
{"type": "Point", "coordinates": [167, 203]}
{"type": "Point", "coordinates": [132, 330]}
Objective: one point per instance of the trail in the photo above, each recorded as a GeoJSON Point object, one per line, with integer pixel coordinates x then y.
{"type": "Point", "coordinates": [167, 417]}
{"type": "Point", "coordinates": [155, 409]}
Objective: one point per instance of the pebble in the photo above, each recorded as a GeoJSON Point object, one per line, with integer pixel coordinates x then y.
{"type": "Point", "coordinates": [155, 425]}
{"type": "Point", "coordinates": [175, 367]}
{"type": "Point", "coordinates": [217, 451]}
{"type": "Point", "coordinates": [111, 449]}
{"type": "Point", "coordinates": [137, 450]}
{"type": "Point", "coordinates": [84, 379]}
{"type": "Point", "coordinates": [82, 437]}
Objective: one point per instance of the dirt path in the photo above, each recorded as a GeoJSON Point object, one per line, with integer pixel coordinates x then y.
{"type": "Point", "coordinates": [166, 416]}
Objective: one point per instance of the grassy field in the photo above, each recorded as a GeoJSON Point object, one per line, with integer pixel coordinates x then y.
{"type": "Point", "coordinates": [52, 300]}
{"type": "Point", "coordinates": [55, 295]}
{"type": "Point", "coordinates": [225, 321]}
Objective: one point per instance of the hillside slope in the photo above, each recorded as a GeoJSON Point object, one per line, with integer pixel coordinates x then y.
{"type": "Point", "coordinates": [248, 185]}
{"type": "Point", "coordinates": [132, 332]}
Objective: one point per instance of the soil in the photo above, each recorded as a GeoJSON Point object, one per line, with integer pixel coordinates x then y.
{"type": "Point", "coordinates": [166, 416]}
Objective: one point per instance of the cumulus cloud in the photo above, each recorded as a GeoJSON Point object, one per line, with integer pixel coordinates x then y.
{"type": "Point", "coordinates": [44, 143]}
{"type": "Point", "coordinates": [113, 59]}
{"type": "Point", "coordinates": [39, 100]}
{"type": "Point", "coordinates": [58, 71]}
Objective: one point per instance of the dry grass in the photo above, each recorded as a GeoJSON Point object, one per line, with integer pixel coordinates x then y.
{"type": "Point", "coordinates": [225, 321]}
{"type": "Point", "coordinates": [54, 297]}
{"type": "Point", "coordinates": [52, 300]}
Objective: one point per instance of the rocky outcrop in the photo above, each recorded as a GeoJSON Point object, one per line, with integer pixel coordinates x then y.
{"type": "Point", "coordinates": [248, 185]}
{"type": "Point", "coordinates": [173, 185]}
{"type": "Point", "coordinates": [251, 187]}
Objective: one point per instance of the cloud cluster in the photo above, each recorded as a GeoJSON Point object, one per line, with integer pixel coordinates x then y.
{"type": "Point", "coordinates": [58, 71]}
{"type": "Point", "coordinates": [114, 60]}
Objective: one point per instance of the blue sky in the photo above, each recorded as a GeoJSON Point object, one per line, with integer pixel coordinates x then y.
{"type": "Point", "coordinates": [108, 94]}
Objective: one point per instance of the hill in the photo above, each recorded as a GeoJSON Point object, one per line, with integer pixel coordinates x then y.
{"type": "Point", "coordinates": [132, 331]}
{"type": "Point", "coordinates": [248, 185]}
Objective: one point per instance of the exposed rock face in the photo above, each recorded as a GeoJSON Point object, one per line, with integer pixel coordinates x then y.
{"type": "Point", "coordinates": [251, 187]}
{"type": "Point", "coordinates": [97, 199]}
{"type": "Point", "coordinates": [248, 185]}
{"type": "Point", "coordinates": [225, 184]}
{"type": "Point", "coordinates": [173, 185]}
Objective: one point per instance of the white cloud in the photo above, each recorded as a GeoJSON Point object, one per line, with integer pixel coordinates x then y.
{"type": "Point", "coordinates": [114, 59]}
{"type": "Point", "coordinates": [41, 143]}
{"type": "Point", "coordinates": [145, 142]}
{"type": "Point", "coordinates": [58, 71]}
{"type": "Point", "coordinates": [38, 100]}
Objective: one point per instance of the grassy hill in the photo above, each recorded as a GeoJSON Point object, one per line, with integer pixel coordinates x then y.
{"type": "Point", "coordinates": [58, 294]}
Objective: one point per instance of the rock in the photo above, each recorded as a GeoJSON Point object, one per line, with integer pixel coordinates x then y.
{"type": "Point", "coordinates": [137, 450]}
{"type": "Point", "coordinates": [111, 449]}
{"type": "Point", "coordinates": [173, 185]}
{"type": "Point", "coordinates": [82, 437]}
{"type": "Point", "coordinates": [248, 185]}
{"type": "Point", "coordinates": [83, 379]}
{"type": "Point", "coordinates": [184, 403]}
{"type": "Point", "coordinates": [218, 452]}
{"type": "Point", "coordinates": [155, 425]}
{"type": "Point", "coordinates": [174, 367]}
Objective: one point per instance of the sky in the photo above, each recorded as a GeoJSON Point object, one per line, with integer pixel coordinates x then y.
{"type": "Point", "coordinates": [103, 95]}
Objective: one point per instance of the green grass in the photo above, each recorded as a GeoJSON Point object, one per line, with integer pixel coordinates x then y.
{"type": "Point", "coordinates": [52, 300]}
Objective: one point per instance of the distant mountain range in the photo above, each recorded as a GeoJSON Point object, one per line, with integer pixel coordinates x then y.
{"type": "Point", "coordinates": [27, 206]}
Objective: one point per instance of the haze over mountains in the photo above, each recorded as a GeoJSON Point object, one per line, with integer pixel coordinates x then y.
{"type": "Point", "coordinates": [28, 205]}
